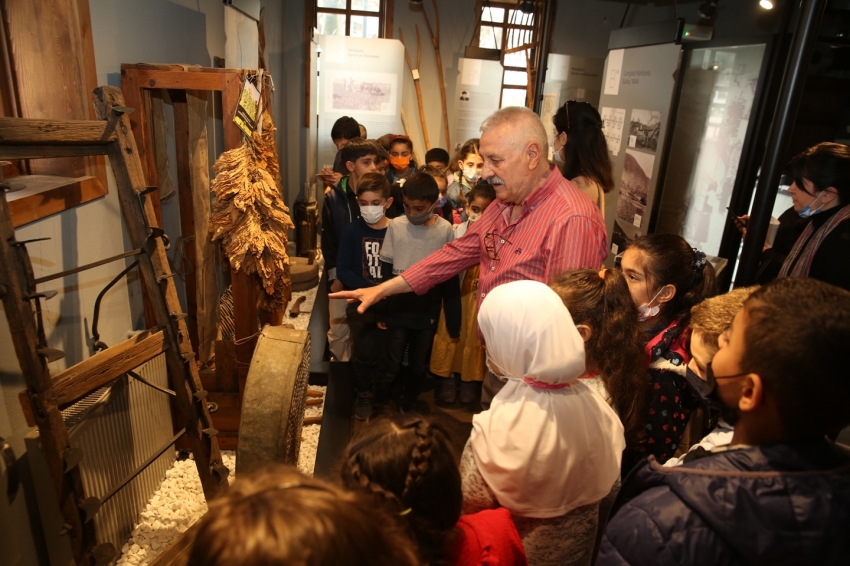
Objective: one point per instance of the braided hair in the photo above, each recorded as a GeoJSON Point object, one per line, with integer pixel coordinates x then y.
{"type": "Point", "coordinates": [407, 463]}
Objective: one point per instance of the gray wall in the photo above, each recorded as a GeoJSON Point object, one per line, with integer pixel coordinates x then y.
{"type": "Point", "coordinates": [192, 32]}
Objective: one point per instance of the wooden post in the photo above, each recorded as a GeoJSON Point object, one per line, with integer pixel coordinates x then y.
{"type": "Point", "coordinates": [415, 73]}
{"type": "Point", "coordinates": [435, 40]}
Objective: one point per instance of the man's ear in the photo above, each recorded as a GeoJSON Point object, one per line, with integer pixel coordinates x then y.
{"type": "Point", "coordinates": [532, 151]}
{"type": "Point", "coordinates": [752, 393]}
{"type": "Point", "coordinates": [349, 165]}
{"type": "Point", "coordinates": [667, 293]}
{"type": "Point", "coordinates": [584, 331]}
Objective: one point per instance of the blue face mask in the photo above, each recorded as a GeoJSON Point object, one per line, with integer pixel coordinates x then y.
{"type": "Point", "coordinates": [807, 212]}
{"type": "Point", "coordinates": [442, 202]}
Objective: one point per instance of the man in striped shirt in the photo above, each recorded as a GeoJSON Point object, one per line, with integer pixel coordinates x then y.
{"type": "Point", "coordinates": [540, 226]}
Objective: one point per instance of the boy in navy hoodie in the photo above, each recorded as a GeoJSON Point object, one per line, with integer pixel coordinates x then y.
{"type": "Point", "coordinates": [779, 493]}
{"type": "Point", "coordinates": [358, 266]}
{"type": "Point", "coordinates": [340, 209]}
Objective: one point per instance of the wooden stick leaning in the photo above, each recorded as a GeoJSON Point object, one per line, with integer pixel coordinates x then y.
{"type": "Point", "coordinates": [435, 40]}
{"type": "Point", "coordinates": [415, 73]}
{"type": "Point", "coordinates": [407, 132]}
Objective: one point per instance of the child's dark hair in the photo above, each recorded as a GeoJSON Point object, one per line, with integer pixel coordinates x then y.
{"type": "Point", "coordinates": [437, 154]}
{"type": "Point", "coordinates": [253, 523]}
{"type": "Point", "coordinates": [400, 139]}
{"type": "Point", "coordinates": [795, 340]}
{"type": "Point", "coordinates": [469, 146]}
{"type": "Point", "coordinates": [615, 346]}
{"type": "Point", "coordinates": [586, 152]}
{"type": "Point", "coordinates": [407, 461]}
{"type": "Point", "coordinates": [667, 259]}
{"type": "Point", "coordinates": [434, 172]}
{"type": "Point", "coordinates": [482, 189]}
{"type": "Point", "coordinates": [826, 165]}
{"type": "Point", "coordinates": [345, 128]}
{"type": "Point", "coordinates": [421, 186]}
{"type": "Point", "coordinates": [373, 183]}
{"type": "Point", "coordinates": [357, 148]}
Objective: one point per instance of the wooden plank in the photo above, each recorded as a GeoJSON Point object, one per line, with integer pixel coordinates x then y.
{"type": "Point", "coordinates": [81, 379]}
{"type": "Point", "coordinates": [231, 87]}
{"type": "Point", "coordinates": [98, 163]}
{"type": "Point", "coordinates": [129, 178]}
{"type": "Point", "coordinates": [151, 78]}
{"type": "Point", "coordinates": [53, 434]}
{"type": "Point", "coordinates": [133, 97]}
{"type": "Point", "coordinates": [187, 216]}
{"type": "Point", "coordinates": [226, 374]}
{"type": "Point", "coordinates": [47, 151]}
{"type": "Point", "coordinates": [31, 131]}
{"type": "Point", "coordinates": [46, 40]}
{"type": "Point", "coordinates": [45, 195]}
{"type": "Point", "coordinates": [226, 417]}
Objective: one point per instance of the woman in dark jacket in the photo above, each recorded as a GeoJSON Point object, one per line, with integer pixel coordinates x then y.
{"type": "Point", "coordinates": [821, 191]}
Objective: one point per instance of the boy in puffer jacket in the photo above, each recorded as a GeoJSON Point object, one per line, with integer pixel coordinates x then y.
{"type": "Point", "coordinates": [780, 492]}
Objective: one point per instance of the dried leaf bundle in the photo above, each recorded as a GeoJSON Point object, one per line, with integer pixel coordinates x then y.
{"type": "Point", "coordinates": [250, 217]}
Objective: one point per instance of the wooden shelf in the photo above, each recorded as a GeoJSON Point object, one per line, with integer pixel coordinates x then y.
{"type": "Point", "coordinates": [46, 195]}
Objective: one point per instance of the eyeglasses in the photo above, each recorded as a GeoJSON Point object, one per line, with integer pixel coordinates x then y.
{"type": "Point", "coordinates": [490, 244]}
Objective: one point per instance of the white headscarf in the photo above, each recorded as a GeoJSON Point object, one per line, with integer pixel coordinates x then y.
{"type": "Point", "coordinates": [548, 444]}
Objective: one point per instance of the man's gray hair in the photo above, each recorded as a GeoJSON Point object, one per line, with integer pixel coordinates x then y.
{"type": "Point", "coordinates": [526, 125]}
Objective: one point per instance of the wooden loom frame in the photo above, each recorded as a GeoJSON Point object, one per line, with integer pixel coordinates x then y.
{"type": "Point", "coordinates": [35, 139]}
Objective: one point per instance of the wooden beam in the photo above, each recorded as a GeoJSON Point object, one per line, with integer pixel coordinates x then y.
{"type": "Point", "coordinates": [14, 152]}
{"type": "Point", "coordinates": [45, 195]}
{"type": "Point", "coordinates": [27, 131]}
{"type": "Point", "coordinates": [79, 380]}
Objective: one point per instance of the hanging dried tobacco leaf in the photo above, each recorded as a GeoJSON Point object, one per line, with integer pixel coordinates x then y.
{"type": "Point", "coordinates": [250, 218]}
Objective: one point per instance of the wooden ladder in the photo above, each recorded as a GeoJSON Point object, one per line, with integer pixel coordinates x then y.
{"type": "Point", "coordinates": [47, 395]}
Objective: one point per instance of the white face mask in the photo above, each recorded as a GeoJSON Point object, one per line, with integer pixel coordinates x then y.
{"type": "Point", "coordinates": [473, 216]}
{"type": "Point", "coordinates": [472, 174]}
{"type": "Point", "coordinates": [372, 214]}
{"type": "Point", "coordinates": [645, 312]}
{"type": "Point", "coordinates": [556, 153]}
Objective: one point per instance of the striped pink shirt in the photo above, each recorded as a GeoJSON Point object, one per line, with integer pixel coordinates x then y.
{"type": "Point", "coordinates": [560, 229]}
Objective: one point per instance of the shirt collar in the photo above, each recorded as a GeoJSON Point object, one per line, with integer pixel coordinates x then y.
{"type": "Point", "coordinates": [541, 193]}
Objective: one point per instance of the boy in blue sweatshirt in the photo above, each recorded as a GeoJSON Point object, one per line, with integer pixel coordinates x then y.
{"type": "Point", "coordinates": [359, 265]}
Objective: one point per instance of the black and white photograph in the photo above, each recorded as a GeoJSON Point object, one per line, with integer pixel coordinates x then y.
{"type": "Point", "coordinates": [619, 239]}
{"type": "Point", "coordinates": [362, 92]}
{"type": "Point", "coordinates": [634, 186]}
{"type": "Point", "coordinates": [644, 128]}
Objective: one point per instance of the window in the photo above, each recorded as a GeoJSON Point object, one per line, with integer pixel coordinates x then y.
{"type": "Point", "coordinates": [355, 18]}
{"type": "Point", "coordinates": [506, 28]}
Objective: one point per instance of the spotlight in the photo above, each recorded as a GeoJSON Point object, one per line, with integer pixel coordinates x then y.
{"type": "Point", "coordinates": [526, 6]}
{"type": "Point", "coordinates": [766, 4]}
{"type": "Point", "coordinates": [707, 10]}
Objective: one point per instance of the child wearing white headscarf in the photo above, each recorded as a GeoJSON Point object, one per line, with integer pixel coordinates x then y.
{"type": "Point", "coordinates": [548, 449]}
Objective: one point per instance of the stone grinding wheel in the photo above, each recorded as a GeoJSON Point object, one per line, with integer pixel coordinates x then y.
{"type": "Point", "coordinates": [302, 274]}
{"type": "Point", "coordinates": [274, 399]}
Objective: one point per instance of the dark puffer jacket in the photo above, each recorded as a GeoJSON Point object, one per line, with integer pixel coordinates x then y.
{"type": "Point", "coordinates": [771, 504]}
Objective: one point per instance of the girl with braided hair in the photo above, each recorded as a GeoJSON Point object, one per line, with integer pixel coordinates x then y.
{"type": "Point", "coordinates": [407, 463]}
{"type": "Point", "coordinates": [548, 450]}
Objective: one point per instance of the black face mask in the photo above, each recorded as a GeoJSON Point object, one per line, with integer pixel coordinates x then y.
{"type": "Point", "coordinates": [712, 398]}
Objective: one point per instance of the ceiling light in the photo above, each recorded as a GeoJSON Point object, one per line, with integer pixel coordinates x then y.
{"type": "Point", "coordinates": [766, 4]}
{"type": "Point", "coordinates": [526, 6]}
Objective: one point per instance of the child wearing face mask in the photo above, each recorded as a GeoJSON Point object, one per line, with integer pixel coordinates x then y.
{"type": "Point", "coordinates": [412, 319]}
{"type": "Point", "coordinates": [359, 265]}
{"type": "Point", "coordinates": [468, 167]}
{"type": "Point", "coordinates": [444, 208]}
{"type": "Point", "coordinates": [402, 164]}
{"type": "Point", "coordinates": [461, 362]}
{"type": "Point", "coordinates": [709, 321]}
{"type": "Point", "coordinates": [666, 277]}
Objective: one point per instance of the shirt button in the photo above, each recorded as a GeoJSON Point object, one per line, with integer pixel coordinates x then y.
{"type": "Point", "coordinates": [483, 295]}
{"type": "Point", "coordinates": [501, 241]}
{"type": "Point", "coordinates": [492, 268]}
